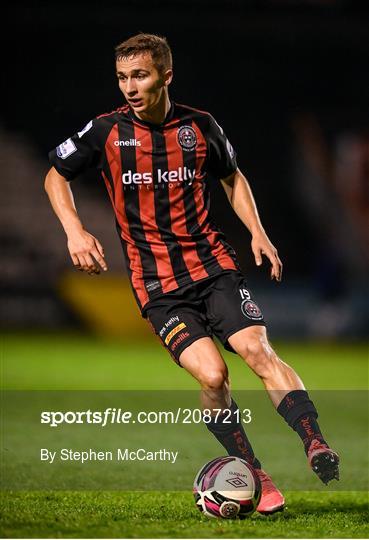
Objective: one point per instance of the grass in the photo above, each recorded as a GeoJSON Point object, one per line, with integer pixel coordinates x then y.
{"type": "Point", "coordinates": [81, 362]}
{"type": "Point", "coordinates": [173, 515]}
{"type": "Point", "coordinates": [338, 373]}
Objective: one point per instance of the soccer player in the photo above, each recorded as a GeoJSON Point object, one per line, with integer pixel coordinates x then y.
{"type": "Point", "coordinates": [157, 158]}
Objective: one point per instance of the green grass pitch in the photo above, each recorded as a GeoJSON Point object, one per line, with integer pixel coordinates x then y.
{"type": "Point", "coordinates": [173, 515]}
{"type": "Point", "coordinates": [61, 362]}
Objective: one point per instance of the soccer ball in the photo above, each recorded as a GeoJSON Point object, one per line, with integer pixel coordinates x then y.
{"type": "Point", "coordinates": [227, 487]}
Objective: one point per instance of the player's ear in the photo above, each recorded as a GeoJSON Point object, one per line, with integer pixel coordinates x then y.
{"type": "Point", "coordinates": [168, 76]}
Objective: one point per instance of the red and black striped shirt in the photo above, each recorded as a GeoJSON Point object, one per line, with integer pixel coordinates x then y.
{"type": "Point", "coordinates": [157, 178]}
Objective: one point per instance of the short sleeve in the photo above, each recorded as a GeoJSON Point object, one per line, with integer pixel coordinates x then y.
{"type": "Point", "coordinates": [78, 153]}
{"type": "Point", "coordinates": [222, 157]}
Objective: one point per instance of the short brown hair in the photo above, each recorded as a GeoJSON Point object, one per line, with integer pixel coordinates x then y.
{"type": "Point", "coordinates": [157, 46]}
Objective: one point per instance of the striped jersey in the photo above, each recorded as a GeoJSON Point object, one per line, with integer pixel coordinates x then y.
{"type": "Point", "coordinates": [157, 177]}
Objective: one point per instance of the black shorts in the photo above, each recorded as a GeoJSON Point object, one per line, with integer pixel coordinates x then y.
{"type": "Point", "coordinates": [217, 306]}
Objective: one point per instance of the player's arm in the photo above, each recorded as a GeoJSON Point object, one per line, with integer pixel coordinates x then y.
{"type": "Point", "coordinates": [241, 198]}
{"type": "Point", "coordinates": [85, 250]}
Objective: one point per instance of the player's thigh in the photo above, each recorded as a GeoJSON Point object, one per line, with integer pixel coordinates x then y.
{"type": "Point", "coordinates": [231, 308]}
{"type": "Point", "coordinates": [204, 362]}
{"type": "Point", "coordinates": [251, 342]}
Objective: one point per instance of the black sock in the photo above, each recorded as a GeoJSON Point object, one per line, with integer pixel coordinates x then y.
{"type": "Point", "coordinates": [300, 413]}
{"type": "Point", "coordinates": [232, 436]}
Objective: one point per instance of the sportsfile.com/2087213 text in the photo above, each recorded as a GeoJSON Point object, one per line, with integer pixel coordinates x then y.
{"type": "Point", "coordinates": [120, 416]}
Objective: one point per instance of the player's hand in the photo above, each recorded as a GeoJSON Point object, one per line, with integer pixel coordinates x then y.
{"type": "Point", "coordinates": [261, 245]}
{"type": "Point", "coordinates": [86, 252]}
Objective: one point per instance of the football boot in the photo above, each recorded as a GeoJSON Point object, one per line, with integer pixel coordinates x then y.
{"type": "Point", "coordinates": [323, 461]}
{"type": "Point", "coordinates": [271, 499]}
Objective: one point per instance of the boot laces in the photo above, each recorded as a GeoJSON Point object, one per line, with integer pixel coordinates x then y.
{"type": "Point", "coordinates": [317, 445]}
{"type": "Point", "coordinates": [267, 484]}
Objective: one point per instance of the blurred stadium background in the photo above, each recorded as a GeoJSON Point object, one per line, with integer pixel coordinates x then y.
{"type": "Point", "coordinates": [288, 81]}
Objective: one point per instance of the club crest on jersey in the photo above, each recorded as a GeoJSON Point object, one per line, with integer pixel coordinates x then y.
{"type": "Point", "coordinates": [251, 310]}
{"type": "Point", "coordinates": [186, 137]}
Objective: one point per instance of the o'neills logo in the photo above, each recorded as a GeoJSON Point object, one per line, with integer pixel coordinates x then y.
{"type": "Point", "coordinates": [129, 142]}
{"type": "Point", "coordinates": [182, 174]}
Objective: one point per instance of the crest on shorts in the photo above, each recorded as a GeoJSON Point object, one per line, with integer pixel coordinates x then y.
{"type": "Point", "coordinates": [186, 137]}
{"type": "Point", "coordinates": [251, 310]}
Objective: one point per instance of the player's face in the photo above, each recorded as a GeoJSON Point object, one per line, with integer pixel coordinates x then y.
{"type": "Point", "coordinates": [142, 85]}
